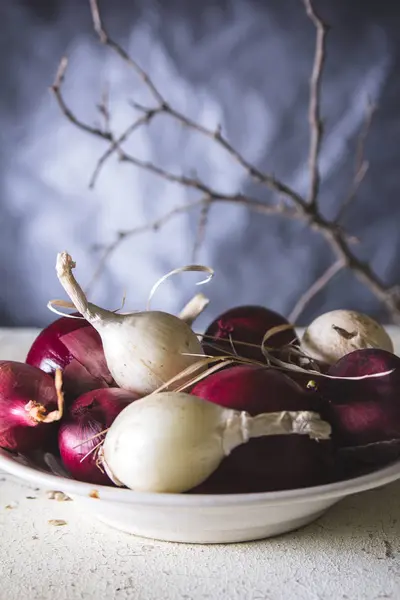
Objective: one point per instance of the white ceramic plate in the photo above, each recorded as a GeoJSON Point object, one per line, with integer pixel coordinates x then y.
{"type": "Point", "coordinates": [202, 519]}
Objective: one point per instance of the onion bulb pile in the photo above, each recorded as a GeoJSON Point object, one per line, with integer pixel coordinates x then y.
{"type": "Point", "coordinates": [144, 401]}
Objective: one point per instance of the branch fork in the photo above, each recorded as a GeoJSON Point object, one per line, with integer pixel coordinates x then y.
{"type": "Point", "coordinates": [294, 205]}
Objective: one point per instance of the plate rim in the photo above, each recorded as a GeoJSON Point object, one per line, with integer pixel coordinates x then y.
{"type": "Point", "coordinates": [339, 489]}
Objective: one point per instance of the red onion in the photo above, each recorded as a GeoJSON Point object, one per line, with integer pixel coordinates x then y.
{"type": "Point", "coordinates": [86, 347]}
{"type": "Point", "coordinates": [75, 347]}
{"type": "Point", "coordinates": [246, 324]}
{"type": "Point", "coordinates": [77, 381]}
{"type": "Point", "coordinates": [264, 464]}
{"type": "Point", "coordinates": [48, 352]}
{"type": "Point", "coordinates": [29, 403]}
{"type": "Point", "coordinates": [89, 415]}
{"type": "Point", "coordinates": [365, 414]}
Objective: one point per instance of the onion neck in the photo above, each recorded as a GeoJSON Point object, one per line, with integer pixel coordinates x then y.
{"type": "Point", "coordinates": [194, 308]}
{"type": "Point", "coordinates": [303, 422]}
{"type": "Point", "coordinates": [240, 426]}
{"type": "Point", "coordinates": [236, 431]}
{"type": "Point", "coordinates": [93, 314]}
{"type": "Point", "coordinates": [39, 413]}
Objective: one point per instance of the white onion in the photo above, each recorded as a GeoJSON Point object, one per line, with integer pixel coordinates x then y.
{"type": "Point", "coordinates": [171, 442]}
{"type": "Point", "coordinates": [143, 350]}
{"type": "Point", "coordinates": [339, 332]}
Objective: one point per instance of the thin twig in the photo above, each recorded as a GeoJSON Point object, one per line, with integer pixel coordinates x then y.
{"type": "Point", "coordinates": [192, 182]}
{"type": "Point", "coordinates": [115, 146]}
{"type": "Point", "coordinates": [163, 106]}
{"type": "Point", "coordinates": [252, 204]}
{"type": "Point", "coordinates": [361, 164]}
{"type": "Point", "coordinates": [216, 135]}
{"type": "Point", "coordinates": [109, 249]}
{"type": "Point", "coordinates": [107, 41]}
{"type": "Point", "coordinates": [316, 287]}
{"type": "Point", "coordinates": [314, 111]}
{"type": "Point", "coordinates": [56, 89]}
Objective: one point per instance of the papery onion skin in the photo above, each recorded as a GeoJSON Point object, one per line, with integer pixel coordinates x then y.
{"type": "Point", "coordinates": [89, 415]}
{"type": "Point", "coordinates": [47, 352]}
{"type": "Point", "coordinates": [246, 324]}
{"type": "Point", "coordinates": [268, 463]}
{"type": "Point", "coordinates": [77, 381]}
{"type": "Point", "coordinates": [20, 385]}
{"type": "Point", "coordinates": [86, 347]}
{"type": "Point", "coordinates": [365, 414]}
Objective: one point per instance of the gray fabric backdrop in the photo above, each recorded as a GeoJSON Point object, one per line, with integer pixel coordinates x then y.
{"type": "Point", "coordinates": [242, 63]}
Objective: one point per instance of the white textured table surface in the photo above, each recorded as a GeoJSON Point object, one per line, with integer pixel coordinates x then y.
{"type": "Point", "coordinates": [352, 553]}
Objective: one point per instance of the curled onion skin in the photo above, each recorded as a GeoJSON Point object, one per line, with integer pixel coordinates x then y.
{"type": "Point", "coordinates": [246, 324]}
{"type": "Point", "coordinates": [26, 393]}
{"type": "Point", "coordinates": [88, 416]}
{"type": "Point", "coordinates": [268, 463]}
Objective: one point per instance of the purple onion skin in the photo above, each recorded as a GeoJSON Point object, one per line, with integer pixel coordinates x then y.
{"type": "Point", "coordinates": [248, 469]}
{"type": "Point", "coordinates": [77, 381]}
{"type": "Point", "coordinates": [270, 463]}
{"type": "Point", "coordinates": [246, 324]}
{"type": "Point", "coordinates": [89, 415]}
{"type": "Point", "coordinates": [365, 411]}
{"type": "Point", "coordinates": [19, 385]}
{"type": "Point", "coordinates": [47, 352]}
{"type": "Point", "coordinates": [364, 414]}
{"type": "Point", "coordinates": [254, 389]}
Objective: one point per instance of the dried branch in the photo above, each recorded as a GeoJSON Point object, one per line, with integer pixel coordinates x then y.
{"type": "Point", "coordinates": [191, 182]}
{"type": "Point", "coordinates": [252, 204]}
{"type": "Point", "coordinates": [316, 287]}
{"type": "Point", "coordinates": [104, 38]}
{"type": "Point", "coordinates": [116, 144]}
{"type": "Point", "coordinates": [361, 164]}
{"type": "Point", "coordinates": [298, 207]}
{"type": "Point", "coordinates": [314, 116]}
{"type": "Point", "coordinates": [56, 89]}
{"type": "Point", "coordinates": [109, 249]}
{"type": "Point", "coordinates": [213, 134]}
